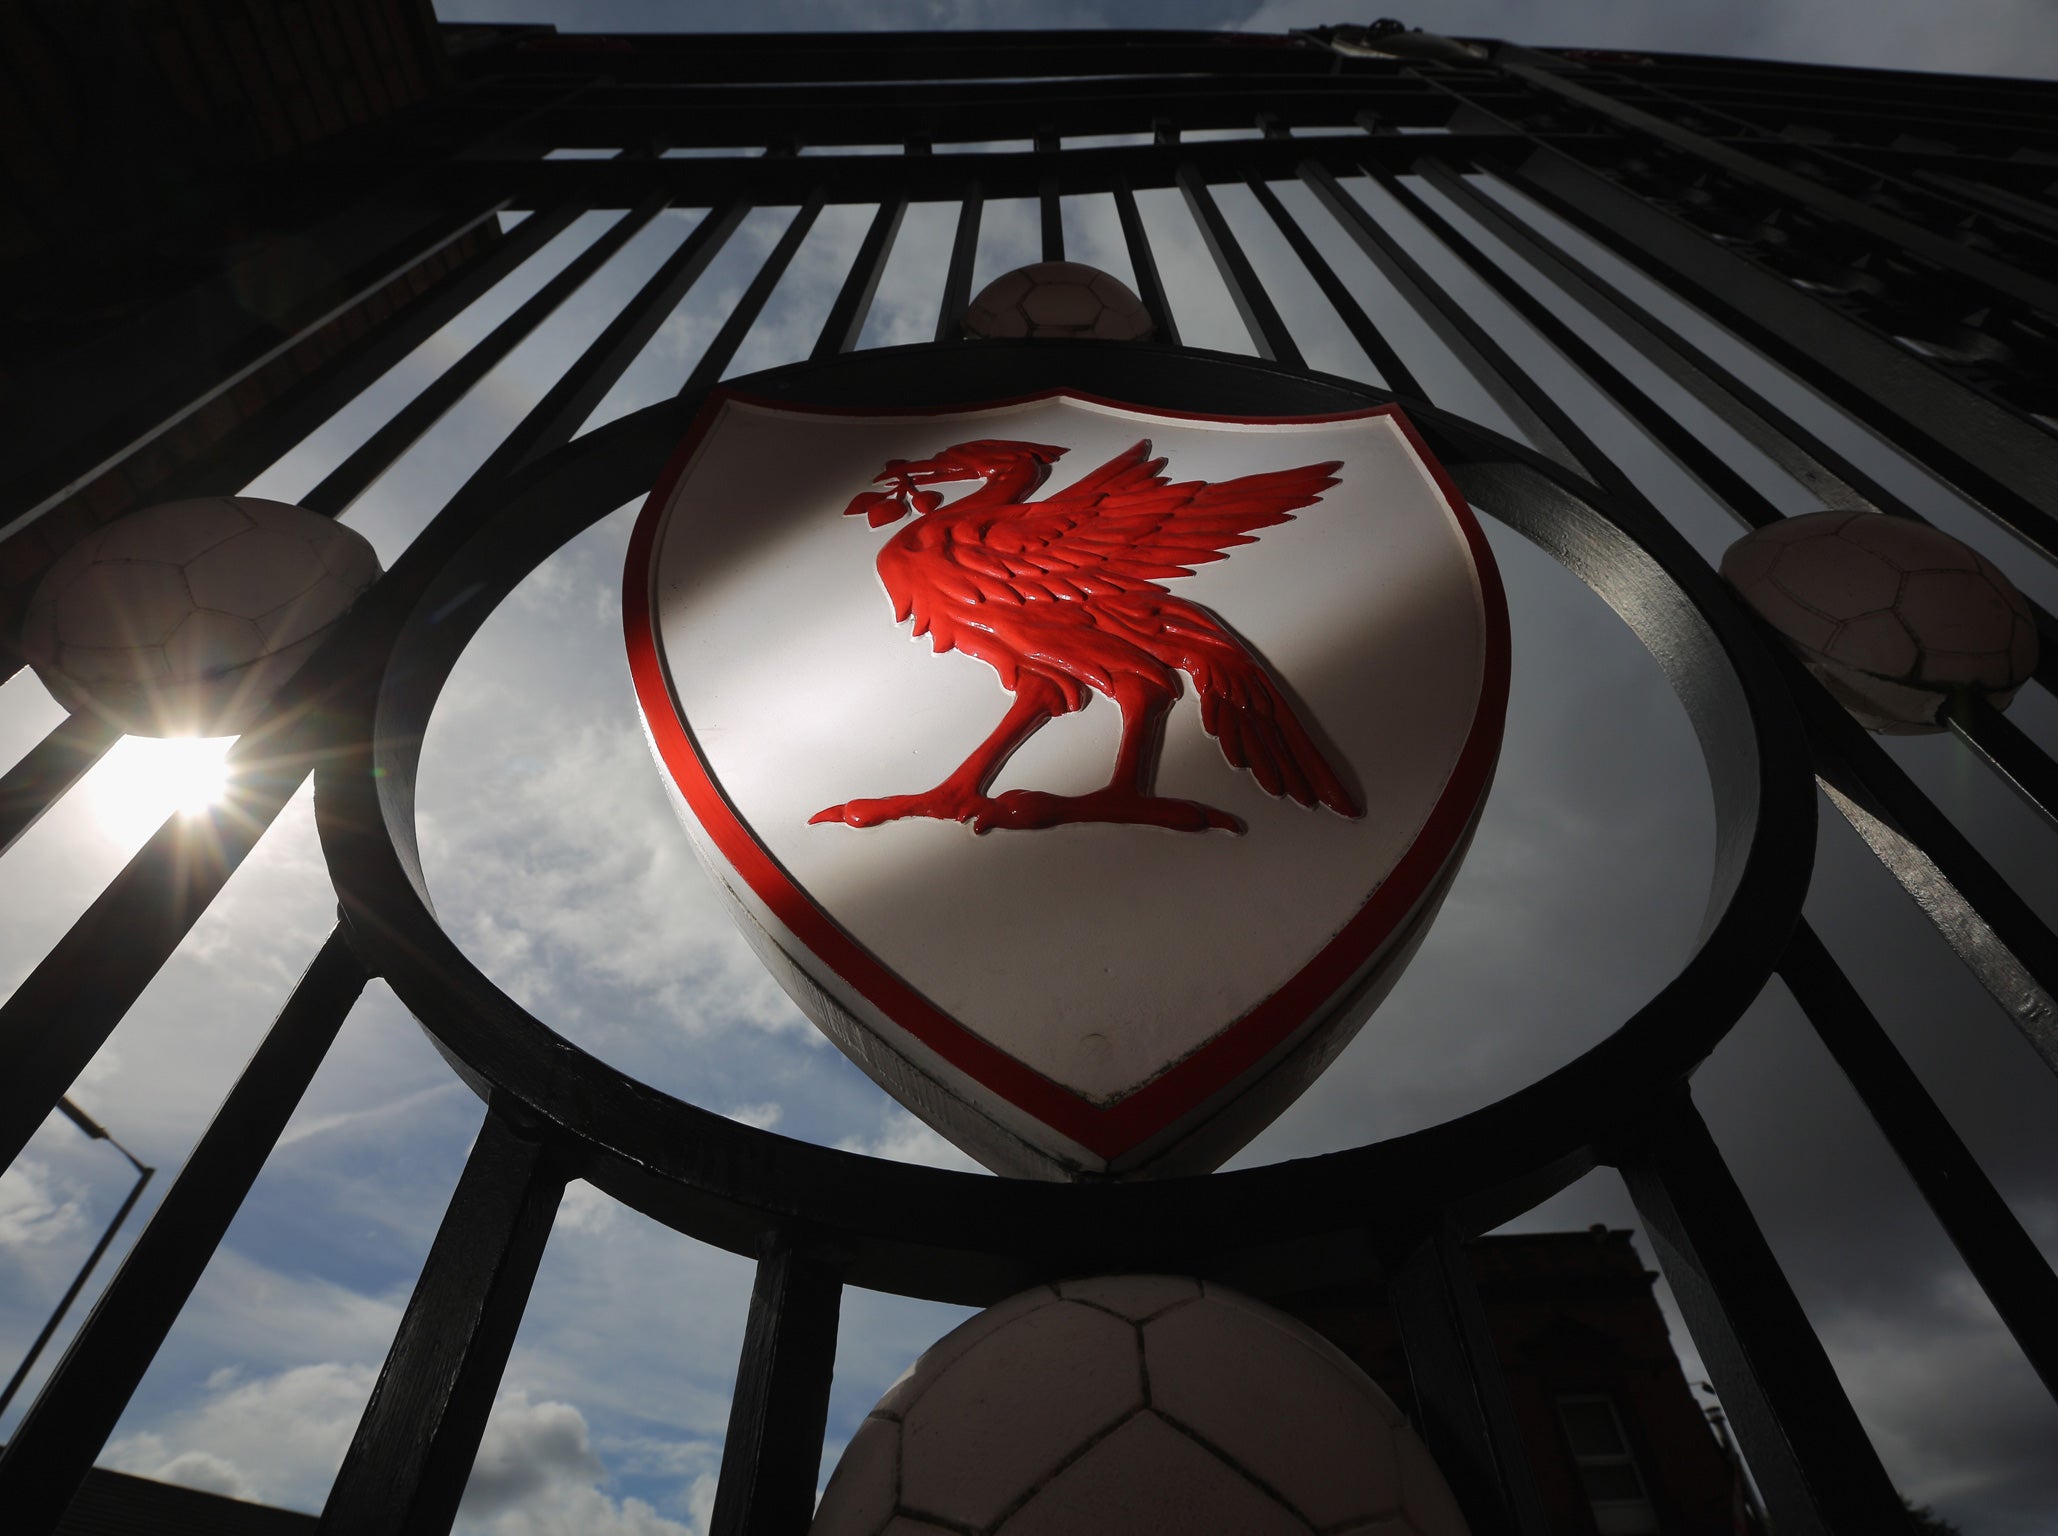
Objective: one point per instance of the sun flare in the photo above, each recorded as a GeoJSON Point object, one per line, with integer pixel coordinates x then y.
{"type": "Point", "coordinates": [143, 780]}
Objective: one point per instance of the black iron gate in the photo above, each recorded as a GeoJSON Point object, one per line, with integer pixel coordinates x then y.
{"type": "Point", "coordinates": [1886, 239]}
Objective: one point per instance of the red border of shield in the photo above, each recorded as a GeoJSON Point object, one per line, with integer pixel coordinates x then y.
{"type": "Point", "coordinates": [1112, 1130]}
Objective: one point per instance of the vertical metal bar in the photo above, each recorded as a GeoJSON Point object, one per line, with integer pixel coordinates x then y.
{"type": "Point", "coordinates": [1998, 460]}
{"type": "Point", "coordinates": [846, 320]}
{"type": "Point", "coordinates": [1461, 1394]}
{"type": "Point", "coordinates": [65, 1008]}
{"type": "Point", "coordinates": [77, 1409]}
{"type": "Point", "coordinates": [559, 415]}
{"type": "Point", "coordinates": [407, 1465]}
{"type": "Point", "coordinates": [48, 769]}
{"type": "Point", "coordinates": [1149, 286]}
{"type": "Point", "coordinates": [2001, 1256]}
{"type": "Point", "coordinates": [1807, 1450]}
{"type": "Point", "coordinates": [721, 351]}
{"type": "Point", "coordinates": [2020, 762]}
{"type": "Point", "coordinates": [241, 457]}
{"type": "Point", "coordinates": [1999, 936]}
{"type": "Point", "coordinates": [1368, 336]}
{"type": "Point", "coordinates": [1051, 204]}
{"type": "Point", "coordinates": [373, 457]}
{"type": "Point", "coordinates": [957, 280]}
{"type": "Point", "coordinates": [1268, 331]}
{"type": "Point", "coordinates": [120, 428]}
{"type": "Point", "coordinates": [1535, 415]}
{"type": "Point", "coordinates": [773, 1453]}
{"type": "Point", "coordinates": [71, 1292]}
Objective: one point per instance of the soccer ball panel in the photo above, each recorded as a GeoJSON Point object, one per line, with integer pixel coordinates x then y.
{"type": "Point", "coordinates": [1879, 643]}
{"type": "Point", "coordinates": [1069, 306]}
{"type": "Point", "coordinates": [172, 531]}
{"type": "Point", "coordinates": [1147, 1476]}
{"type": "Point", "coordinates": [1951, 624]}
{"type": "Point", "coordinates": [1058, 299]}
{"type": "Point", "coordinates": [1839, 580]}
{"type": "Point", "coordinates": [1136, 1297]}
{"type": "Point", "coordinates": [207, 644]}
{"type": "Point", "coordinates": [961, 1340]}
{"type": "Point", "coordinates": [1431, 1507]}
{"type": "Point", "coordinates": [1010, 1412]}
{"type": "Point", "coordinates": [235, 593]}
{"type": "Point", "coordinates": [253, 573]}
{"type": "Point", "coordinates": [122, 602]}
{"type": "Point", "coordinates": [865, 1486]}
{"type": "Point", "coordinates": [1956, 611]}
{"type": "Point", "coordinates": [1245, 1423]}
{"type": "Point", "coordinates": [1283, 1412]}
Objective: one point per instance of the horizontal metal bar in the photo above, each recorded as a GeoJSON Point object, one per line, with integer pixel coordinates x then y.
{"type": "Point", "coordinates": [2000, 1254]}
{"type": "Point", "coordinates": [48, 769]}
{"type": "Point", "coordinates": [65, 1429]}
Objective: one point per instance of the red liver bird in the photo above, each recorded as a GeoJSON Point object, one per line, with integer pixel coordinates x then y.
{"type": "Point", "coordinates": [1062, 596]}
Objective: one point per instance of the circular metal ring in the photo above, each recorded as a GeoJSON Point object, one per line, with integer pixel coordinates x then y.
{"type": "Point", "coordinates": [967, 1237]}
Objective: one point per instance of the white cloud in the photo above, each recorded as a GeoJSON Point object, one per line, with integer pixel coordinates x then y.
{"type": "Point", "coordinates": [32, 1210]}
{"type": "Point", "coordinates": [278, 1438]}
{"type": "Point", "coordinates": [538, 1475]}
{"type": "Point", "coordinates": [904, 1139]}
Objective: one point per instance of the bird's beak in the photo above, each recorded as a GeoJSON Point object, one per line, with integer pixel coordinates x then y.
{"type": "Point", "coordinates": [889, 506]}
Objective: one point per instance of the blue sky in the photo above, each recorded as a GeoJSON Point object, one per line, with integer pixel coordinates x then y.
{"type": "Point", "coordinates": [554, 859]}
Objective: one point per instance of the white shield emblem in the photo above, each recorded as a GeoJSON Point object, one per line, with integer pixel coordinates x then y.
{"type": "Point", "coordinates": [1086, 773]}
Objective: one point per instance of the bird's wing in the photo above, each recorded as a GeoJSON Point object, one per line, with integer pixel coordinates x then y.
{"type": "Point", "coordinates": [1125, 528]}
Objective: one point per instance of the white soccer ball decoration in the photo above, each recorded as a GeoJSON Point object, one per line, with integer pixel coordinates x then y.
{"type": "Point", "coordinates": [1894, 618]}
{"type": "Point", "coordinates": [186, 618]}
{"type": "Point", "coordinates": [1135, 1403]}
{"type": "Point", "coordinates": [1058, 298]}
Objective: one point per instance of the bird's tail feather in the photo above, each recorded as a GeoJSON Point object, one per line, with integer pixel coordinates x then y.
{"type": "Point", "coordinates": [1255, 725]}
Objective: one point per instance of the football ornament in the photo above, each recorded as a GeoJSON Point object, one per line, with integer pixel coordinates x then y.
{"type": "Point", "coordinates": [1894, 618]}
{"type": "Point", "coordinates": [1058, 299]}
{"type": "Point", "coordinates": [186, 618]}
{"type": "Point", "coordinates": [1074, 940]}
{"type": "Point", "coordinates": [1135, 1403]}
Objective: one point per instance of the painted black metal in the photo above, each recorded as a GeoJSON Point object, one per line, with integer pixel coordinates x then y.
{"type": "Point", "coordinates": [2001, 1256]}
{"type": "Point", "coordinates": [846, 320]}
{"type": "Point", "coordinates": [957, 278]}
{"type": "Point", "coordinates": [1392, 369]}
{"type": "Point", "coordinates": [772, 1454]}
{"type": "Point", "coordinates": [1461, 1397]}
{"type": "Point", "coordinates": [1806, 1449]}
{"type": "Point", "coordinates": [239, 459]}
{"type": "Point", "coordinates": [954, 1237]}
{"type": "Point", "coordinates": [1260, 315]}
{"type": "Point", "coordinates": [65, 1429]}
{"type": "Point", "coordinates": [65, 1009]}
{"type": "Point", "coordinates": [1143, 263]}
{"type": "Point", "coordinates": [1583, 148]}
{"type": "Point", "coordinates": [48, 769]}
{"type": "Point", "coordinates": [407, 1465]}
{"type": "Point", "coordinates": [376, 454]}
{"type": "Point", "coordinates": [721, 351]}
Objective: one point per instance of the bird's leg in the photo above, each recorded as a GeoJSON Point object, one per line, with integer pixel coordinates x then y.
{"type": "Point", "coordinates": [962, 796]}
{"type": "Point", "coordinates": [1127, 799]}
